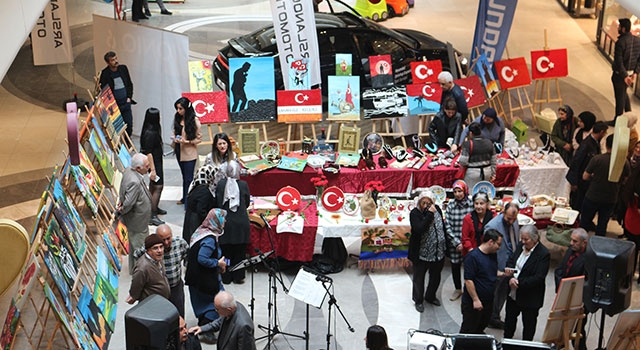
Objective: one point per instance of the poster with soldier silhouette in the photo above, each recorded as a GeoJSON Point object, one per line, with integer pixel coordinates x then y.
{"type": "Point", "coordinates": [344, 98]}
{"type": "Point", "coordinates": [252, 91]}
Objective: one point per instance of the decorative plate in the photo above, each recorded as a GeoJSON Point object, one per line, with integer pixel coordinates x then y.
{"type": "Point", "coordinates": [316, 161]}
{"type": "Point", "coordinates": [270, 149]}
{"type": "Point", "coordinates": [351, 205]}
{"type": "Point", "coordinates": [373, 142]}
{"type": "Point", "coordinates": [332, 198]}
{"type": "Point", "coordinates": [288, 198]}
{"type": "Point", "coordinates": [521, 196]}
{"type": "Point", "coordinates": [525, 220]}
{"type": "Point", "coordinates": [439, 193]}
{"type": "Point", "coordinates": [485, 186]}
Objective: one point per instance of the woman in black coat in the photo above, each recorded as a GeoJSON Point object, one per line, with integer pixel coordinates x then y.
{"type": "Point", "coordinates": [232, 195]}
{"type": "Point", "coordinates": [200, 200]}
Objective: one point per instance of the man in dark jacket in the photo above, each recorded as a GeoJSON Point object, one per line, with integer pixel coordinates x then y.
{"type": "Point", "coordinates": [447, 124]}
{"type": "Point", "coordinates": [117, 77]}
{"type": "Point", "coordinates": [588, 148]}
{"type": "Point", "coordinates": [529, 264]}
{"type": "Point", "coordinates": [625, 66]}
{"type": "Point", "coordinates": [451, 90]}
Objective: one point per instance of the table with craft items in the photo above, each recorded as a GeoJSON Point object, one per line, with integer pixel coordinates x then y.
{"type": "Point", "coordinates": [544, 178]}
{"type": "Point", "coordinates": [397, 182]}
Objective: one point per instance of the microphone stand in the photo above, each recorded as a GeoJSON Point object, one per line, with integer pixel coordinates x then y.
{"type": "Point", "coordinates": [275, 276]}
{"type": "Point", "coordinates": [333, 302]}
{"type": "Point", "coordinates": [249, 262]}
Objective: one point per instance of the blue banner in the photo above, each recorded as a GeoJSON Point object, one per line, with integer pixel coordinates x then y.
{"type": "Point", "coordinates": [493, 25]}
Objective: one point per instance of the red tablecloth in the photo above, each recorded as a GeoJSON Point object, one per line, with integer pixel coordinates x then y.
{"type": "Point", "coordinates": [291, 246]}
{"type": "Point", "coordinates": [352, 180]}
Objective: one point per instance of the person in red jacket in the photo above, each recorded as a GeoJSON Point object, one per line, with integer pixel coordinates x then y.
{"type": "Point", "coordinates": [473, 223]}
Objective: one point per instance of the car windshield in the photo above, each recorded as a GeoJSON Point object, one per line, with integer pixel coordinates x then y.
{"type": "Point", "coordinates": [380, 28]}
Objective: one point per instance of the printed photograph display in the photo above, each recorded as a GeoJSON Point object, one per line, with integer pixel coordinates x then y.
{"type": "Point", "coordinates": [299, 74]}
{"type": "Point", "coordinates": [344, 98]}
{"type": "Point", "coordinates": [252, 91]}
{"type": "Point", "coordinates": [344, 64]}
{"type": "Point", "coordinates": [200, 76]}
{"type": "Point", "coordinates": [384, 102]}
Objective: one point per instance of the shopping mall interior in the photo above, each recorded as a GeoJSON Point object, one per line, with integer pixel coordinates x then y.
{"type": "Point", "coordinates": [34, 135]}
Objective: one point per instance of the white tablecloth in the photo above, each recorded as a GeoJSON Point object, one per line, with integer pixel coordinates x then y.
{"type": "Point", "coordinates": [544, 178]}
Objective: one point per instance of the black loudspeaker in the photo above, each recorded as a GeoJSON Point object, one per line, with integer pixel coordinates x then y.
{"type": "Point", "coordinates": [152, 324]}
{"type": "Point", "coordinates": [608, 275]}
{"type": "Point", "coordinates": [473, 342]}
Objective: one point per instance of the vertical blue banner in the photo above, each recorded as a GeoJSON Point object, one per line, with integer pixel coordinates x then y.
{"type": "Point", "coordinates": [493, 25]}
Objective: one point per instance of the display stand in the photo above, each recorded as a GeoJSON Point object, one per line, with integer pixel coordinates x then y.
{"type": "Point", "coordinates": [567, 315]}
{"type": "Point", "coordinates": [339, 124]}
{"type": "Point", "coordinates": [292, 139]}
{"type": "Point", "coordinates": [542, 93]}
{"type": "Point", "coordinates": [520, 97]}
{"type": "Point", "coordinates": [263, 124]}
{"type": "Point", "coordinates": [385, 128]}
{"type": "Point", "coordinates": [626, 333]}
{"type": "Point", "coordinates": [210, 132]}
{"type": "Point", "coordinates": [424, 120]}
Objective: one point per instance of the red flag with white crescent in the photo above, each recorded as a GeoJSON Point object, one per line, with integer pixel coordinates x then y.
{"type": "Point", "coordinates": [426, 71]}
{"type": "Point", "coordinates": [473, 91]}
{"type": "Point", "coordinates": [430, 92]}
{"type": "Point", "coordinates": [512, 73]}
{"type": "Point", "coordinates": [210, 107]}
{"type": "Point", "coordinates": [549, 64]}
{"type": "Point", "coordinates": [299, 105]}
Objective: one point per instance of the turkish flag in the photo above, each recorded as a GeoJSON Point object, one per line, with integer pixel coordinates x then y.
{"type": "Point", "coordinates": [426, 71]}
{"type": "Point", "coordinates": [299, 106]}
{"type": "Point", "coordinates": [210, 107]}
{"type": "Point", "coordinates": [549, 64]}
{"type": "Point", "coordinates": [430, 92]}
{"type": "Point", "coordinates": [512, 73]}
{"type": "Point", "coordinates": [473, 91]}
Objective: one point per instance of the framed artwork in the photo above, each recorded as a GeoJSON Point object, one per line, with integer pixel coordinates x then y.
{"type": "Point", "coordinates": [348, 139]}
{"type": "Point", "coordinates": [249, 141]}
{"type": "Point", "coordinates": [384, 102]}
{"type": "Point", "coordinates": [292, 163]}
{"type": "Point", "coordinates": [252, 89]}
{"type": "Point", "coordinates": [373, 142]}
{"type": "Point", "coordinates": [344, 64]}
{"type": "Point", "coordinates": [210, 107]}
{"type": "Point", "coordinates": [200, 76]}
{"type": "Point", "coordinates": [344, 97]}
{"type": "Point", "coordinates": [299, 74]}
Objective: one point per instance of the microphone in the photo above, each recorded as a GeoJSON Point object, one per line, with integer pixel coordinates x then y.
{"type": "Point", "coordinates": [257, 250]}
{"type": "Point", "coordinates": [266, 222]}
{"type": "Point", "coordinates": [323, 278]}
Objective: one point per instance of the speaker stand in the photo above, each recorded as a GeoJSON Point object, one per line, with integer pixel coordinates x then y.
{"type": "Point", "coordinates": [601, 334]}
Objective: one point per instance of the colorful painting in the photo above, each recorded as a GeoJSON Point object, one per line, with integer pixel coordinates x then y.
{"type": "Point", "coordinates": [82, 333]}
{"type": "Point", "coordinates": [384, 246]}
{"type": "Point", "coordinates": [58, 278]}
{"type": "Point", "coordinates": [10, 327]}
{"type": "Point", "coordinates": [344, 64]}
{"type": "Point", "coordinates": [344, 98]}
{"type": "Point", "coordinates": [94, 319]}
{"type": "Point", "coordinates": [88, 181]}
{"type": "Point", "coordinates": [381, 70]}
{"type": "Point", "coordinates": [210, 107]}
{"type": "Point", "coordinates": [252, 89]}
{"type": "Point", "coordinates": [105, 269]}
{"type": "Point", "coordinates": [115, 258]}
{"type": "Point", "coordinates": [299, 106]}
{"type": "Point", "coordinates": [123, 235]}
{"type": "Point", "coordinates": [57, 309]}
{"type": "Point", "coordinates": [107, 300]}
{"type": "Point", "coordinates": [61, 253]}
{"type": "Point", "coordinates": [110, 116]}
{"type": "Point", "coordinates": [484, 71]}
{"type": "Point", "coordinates": [423, 98]}
{"type": "Point", "coordinates": [73, 231]}
{"type": "Point", "coordinates": [291, 163]}
{"type": "Point", "coordinates": [299, 74]}
{"type": "Point", "coordinates": [423, 72]}
{"type": "Point", "coordinates": [200, 76]}
{"type": "Point", "coordinates": [104, 157]}
{"type": "Point", "coordinates": [28, 275]}
{"type": "Point", "coordinates": [384, 102]}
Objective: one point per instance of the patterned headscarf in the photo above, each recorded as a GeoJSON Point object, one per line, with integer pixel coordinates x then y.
{"type": "Point", "coordinates": [213, 225]}
{"type": "Point", "coordinates": [231, 189]}
{"type": "Point", "coordinates": [204, 176]}
{"type": "Point", "coordinates": [461, 185]}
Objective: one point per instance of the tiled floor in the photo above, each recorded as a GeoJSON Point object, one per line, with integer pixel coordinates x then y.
{"type": "Point", "coordinates": [33, 135]}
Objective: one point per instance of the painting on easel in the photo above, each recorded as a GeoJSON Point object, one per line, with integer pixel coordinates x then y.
{"type": "Point", "coordinates": [423, 72]}
{"type": "Point", "coordinates": [87, 181]}
{"type": "Point", "coordinates": [423, 98]}
{"type": "Point", "coordinates": [385, 102]}
{"type": "Point", "coordinates": [381, 70]}
{"type": "Point", "coordinates": [210, 107]}
{"type": "Point", "coordinates": [513, 73]}
{"type": "Point", "coordinates": [57, 309]}
{"type": "Point", "coordinates": [344, 64]}
{"type": "Point", "coordinates": [546, 64]}
{"type": "Point", "coordinates": [200, 76]}
{"type": "Point", "coordinates": [473, 91]}
{"type": "Point", "coordinates": [10, 327]}
{"type": "Point", "coordinates": [252, 89]}
{"type": "Point", "coordinates": [344, 98]}
{"type": "Point", "coordinates": [94, 319]}
{"type": "Point", "coordinates": [484, 71]}
{"type": "Point", "coordinates": [299, 106]}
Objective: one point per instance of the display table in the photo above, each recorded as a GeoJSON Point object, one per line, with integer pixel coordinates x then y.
{"type": "Point", "coordinates": [545, 178]}
{"type": "Point", "coordinates": [397, 182]}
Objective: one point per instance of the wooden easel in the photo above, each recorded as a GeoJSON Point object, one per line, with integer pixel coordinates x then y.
{"type": "Point", "coordinates": [496, 103]}
{"type": "Point", "coordinates": [210, 131]}
{"type": "Point", "coordinates": [424, 120]}
{"type": "Point", "coordinates": [299, 138]}
{"type": "Point", "coordinates": [542, 88]}
{"type": "Point", "coordinates": [338, 123]}
{"type": "Point", "coordinates": [571, 318]}
{"type": "Point", "coordinates": [385, 128]}
{"type": "Point", "coordinates": [632, 334]}
{"type": "Point", "coordinates": [520, 98]}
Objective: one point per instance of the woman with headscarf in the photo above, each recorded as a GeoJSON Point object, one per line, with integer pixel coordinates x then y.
{"type": "Point", "coordinates": [200, 200]}
{"type": "Point", "coordinates": [232, 195]}
{"type": "Point", "coordinates": [586, 120]}
{"type": "Point", "coordinates": [427, 245]}
{"type": "Point", "coordinates": [205, 262]}
{"type": "Point", "coordinates": [186, 137]}
{"type": "Point", "coordinates": [562, 133]}
{"type": "Point", "coordinates": [457, 209]}
{"type": "Point", "coordinates": [474, 223]}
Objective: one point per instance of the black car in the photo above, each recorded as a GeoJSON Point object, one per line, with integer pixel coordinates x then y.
{"type": "Point", "coordinates": [346, 33]}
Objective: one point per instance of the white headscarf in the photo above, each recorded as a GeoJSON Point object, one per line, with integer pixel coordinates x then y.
{"type": "Point", "coordinates": [231, 189]}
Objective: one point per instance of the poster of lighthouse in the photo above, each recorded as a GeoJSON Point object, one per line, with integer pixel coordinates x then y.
{"type": "Point", "coordinates": [344, 98]}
